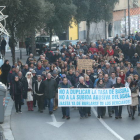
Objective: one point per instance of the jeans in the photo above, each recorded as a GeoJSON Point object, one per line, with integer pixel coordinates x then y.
{"type": "Point", "coordinates": [66, 111]}
{"type": "Point", "coordinates": [109, 110]}
{"type": "Point", "coordinates": [50, 104]}
{"type": "Point", "coordinates": [118, 111]}
{"type": "Point", "coordinates": [83, 111]}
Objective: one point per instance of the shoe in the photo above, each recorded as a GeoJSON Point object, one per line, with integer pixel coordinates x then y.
{"type": "Point", "coordinates": [63, 117]}
{"type": "Point", "coordinates": [38, 110]}
{"type": "Point", "coordinates": [98, 117]}
{"type": "Point", "coordinates": [54, 109]}
{"type": "Point", "coordinates": [116, 117]}
{"type": "Point", "coordinates": [16, 111]}
{"type": "Point", "coordinates": [120, 117]}
{"type": "Point", "coordinates": [113, 111]}
{"type": "Point", "coordinates": [86, 116]}
{"type": "Point", "coordinates": [129, 115]}
{"type": "Point", "coordinates": [41, 111]}
{"type": "Point", "coordinates": [50, 112]}
{"type": "Point", "coordinates": [81, 117]}
{"type": "Point", "coordinates": [34, 105]}
{"type": "Point", "coordinates": [133, 118]}
{"type": "Point", "coordinates": [139, 114]}
{"type": "Point", "coordinates": [20, 111]}
{"type": "Point", "coordinates": [67, 118]}
{"type": "Point", "coordinates": [110, 116]}
{"type": "Point", "coordinates": [89, 115]}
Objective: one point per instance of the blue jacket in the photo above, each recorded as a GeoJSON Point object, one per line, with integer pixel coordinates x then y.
{"type": "Point", "coordinates": [39, 72]}
{"type": "Point", "coordinates": [129, 72]}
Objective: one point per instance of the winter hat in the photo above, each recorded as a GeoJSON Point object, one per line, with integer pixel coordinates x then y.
{"type": "Point", "coordinates": [47, 68]}
{"type": "Point", "coordinates": [33, 71]}
{"type": "Point", "coordinates": [55, 72]}
{"type": "Point", "coordinates": [13, 67]}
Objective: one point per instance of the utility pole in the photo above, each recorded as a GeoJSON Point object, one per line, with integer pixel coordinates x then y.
{"type": "Point", "coordinates": [129, 17]}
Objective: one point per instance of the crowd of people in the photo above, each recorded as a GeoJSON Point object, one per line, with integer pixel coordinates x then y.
{"type": "Point", "coordinates": [115, 64]}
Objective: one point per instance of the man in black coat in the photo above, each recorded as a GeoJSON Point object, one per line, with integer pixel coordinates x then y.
{"type": "Point", "coordinates": [118, 109]}
{"type": "Point", "coordinates": [3, 45]}
{"type": "Point", "coordinates": [39, 93]}
{"type": "Point", "coordinates": [83, 111]}
{"type": "Point", "coordinates": [50, 89]}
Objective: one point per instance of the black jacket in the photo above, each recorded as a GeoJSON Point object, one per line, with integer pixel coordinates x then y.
{"type": "Point", "coordinates": [16, 89]}
{"type": "Point", "coordinates": [49, 88]}
{"type": "Point", "coordinates": [79, 85]}
{"type": "Point", "coordinates": [118, 85]}
{"type": "Point", "coordinates": [39, 91]}
{"type": "Point", "coordinates": [71, 78]}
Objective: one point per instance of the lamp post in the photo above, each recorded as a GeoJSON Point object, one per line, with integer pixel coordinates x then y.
{"type": "Point", "coordinates": [129, 17]}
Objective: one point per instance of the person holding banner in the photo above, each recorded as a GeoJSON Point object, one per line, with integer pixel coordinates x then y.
{"type": "Point", "coordinates": [127, 84]}
{"type": "Point", "coordinates": [108, 84]}
{"type": "Point", "coordinates": [134, 94]}
{"type": "Point", "coordinates": [118, 109]}
{"type": "Point", "coordinates": [90, 85]}
{"type": "Point", "coordinates": [83, 111]}
{"type": "Point", "coordinates": [100, 110]}
{"type": "Point", "coordinates": [65, 110]}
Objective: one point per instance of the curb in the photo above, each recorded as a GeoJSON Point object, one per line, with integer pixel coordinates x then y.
{"type": "Point", "coordinates": [6, 126]}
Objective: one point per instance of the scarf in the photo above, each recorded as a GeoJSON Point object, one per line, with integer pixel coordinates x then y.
{"type": "Point", "coordinates": [100, 85]}
{"type": "Point", "coordinates": [134, 89]}
{"type": "Point", "coordinates": [39, 67]}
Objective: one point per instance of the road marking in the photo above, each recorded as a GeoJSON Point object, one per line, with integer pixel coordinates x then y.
{"type": "Point", "coordinates": [106, 126]}
{"type": "Point", "coordinates": [55, 123]}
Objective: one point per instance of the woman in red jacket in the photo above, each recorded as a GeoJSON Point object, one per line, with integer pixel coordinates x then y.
{"type": "Point", "coordinates": [122, 75]}
{"type": "Point", "coordinates": [110, 51]}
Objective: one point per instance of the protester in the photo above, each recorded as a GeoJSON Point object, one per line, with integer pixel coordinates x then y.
{"type": "Point", "coordinates": [83, 111]}
{"type": "Point", "coordinates": [65, 110]}
{"type": "Point", "coordinates": [50, 89]}
{"type": "Point", "coordinates": [134, 94]}
{"type": "Point", "coordinates": [118, 109]}
{"type": "Point", "coordinates": [16, 94]}
{"type": "Point", "coordinates": [28, 84]}
{"type": "Point", "coordinates": [39, 93]}
{"type": "Point", "coordinates": [5, 68]}
{"type": "Point", "coordinates": [100, 110]}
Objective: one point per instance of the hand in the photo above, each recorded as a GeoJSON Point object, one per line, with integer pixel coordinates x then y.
{"type": "Point", "coordinates": [59, 88]}
{"type": "Point", "coordinates": [83, 83]}
{"type": "Point", "coordinates": [71, 88]}
{"type": "Point", "coordinates": [112, 87]}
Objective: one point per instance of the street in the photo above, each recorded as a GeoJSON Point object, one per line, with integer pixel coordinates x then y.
{"type": "Point", "coordinates": [34, 125]}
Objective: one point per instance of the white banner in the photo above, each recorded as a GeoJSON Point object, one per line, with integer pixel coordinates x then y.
{"type": "Point", "coordinates": [93, 97]}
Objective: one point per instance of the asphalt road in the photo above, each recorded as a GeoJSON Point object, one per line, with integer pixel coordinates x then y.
{"type": "Point", "coordinates": [34, 125]}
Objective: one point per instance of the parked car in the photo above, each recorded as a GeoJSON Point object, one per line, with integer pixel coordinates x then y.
{"type": "Point", "coordinates": [67, 42]}
{"type": "Point", "coordinates": [42, 43]}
